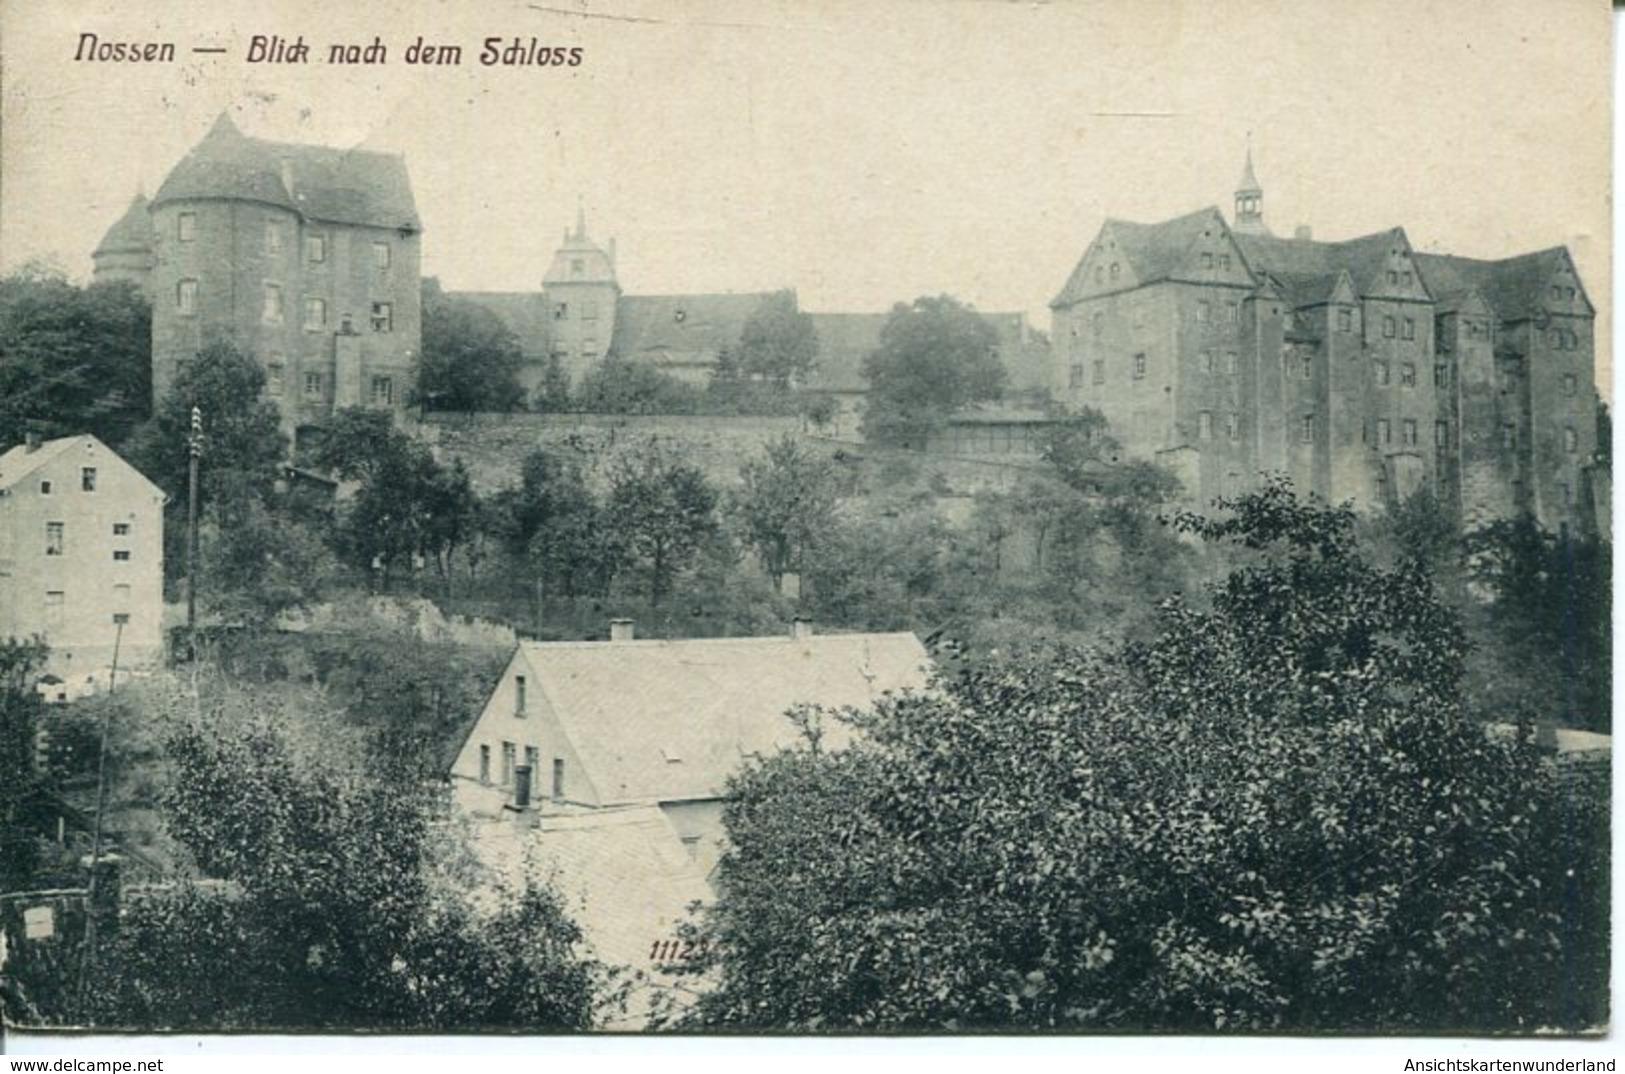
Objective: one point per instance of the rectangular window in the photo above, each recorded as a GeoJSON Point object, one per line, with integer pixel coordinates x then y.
{"type": "Point", "coordinates": [186, 297]}
{"type": "Point", "coordinates": [1232, 313]}
{"type": "Point", "coordinates": [315, 314]}
{"type": "Point", "coordinates": [1230, 362]}
{"type": "Point", "coordinates": [56, 605]}
{"type": "Point", "coordinates": [561, 311]}
{"type": "Point", "coordinates": [273, 237]}
{"type": "Point", "coordinates": [274, 380]}
{"type": "Point", "coordinates": [383, 317]}
{"type": "Point", "coordinates": [510, 758]}
{"type": "Point", "coordinates": [1408, 329]}
{"type": "Point", "coordinates": [1388, 328]}
{"type": "Point", "coordinates": [519, 695]}
{"type": "Point", "coordinates": [54, 538]}
{"type": "Point", "coordinates": [1570, 384]}
{"type": "Point", "coordinates": [271, 304]}
{"type": "Point", "coordinates": [1441, 376]}
{"type": "Point", "coordinates": [1232, 425]}
{"type": "Point", "coordinates": [313, 385]}
{"type": "Point", "coordinates": [315, 248]}
{"type": "Point", "coordinates": [1097, 324]}
{"type": "Point", "coordinates": [87, 478]}
{"type": "Point", "coordinates": [383, 391]}
{"type": "Point", "coordinates": [485, 764]}
{"type": "Point", "coordinates": [1207, 261]}
{"type": "Point", "coordinates": [1207, 361]}
{"type": "Point", "coordinates": [1571, 440]}
{"type": "Point", "coordinates": [1393, 277]}
{"type": "Point", "coordinates": [121, 555]}
{"type": "Point", "coordinates": [44, 488]}
{"type": "Point", "coordinates": [533, 761]}
{"type": "Point", "coordinates": [1307, 429]}
{"type": "Point", "coordinates": [121, 529]}
{"type": "Point", "coordinates": [1409, 429]}
{"type": "Point", "coordinates": [1382, 372]}
{"type": "Point", "coordinates": [1441, 434]}
{"type": "Point", "coordinates": [380, 255]}
{"type": "Point", "coordinates": [1075, 377]}
{"type": "Point", "coordinates": [1509, 436]}
{"type": "Point", "coordinates": [1308, 367]}
{"type": "Point", "coordinates": [1345, 320]}
{"type": "Point", "coordinates": [558, 777]}
{"type": "Point", "coordinates": [186, 227]}
{"type": "Point", "coordinates": [1385, 432]}
{"type": "Point", "coordinates": [1204, 425]}
{"type": "Point", "coordinates": [1139, 367]}
{"type": "Point", "coordinates": [1204, 312]}
{"type": "Point", "coordinates": [1407, 375]}
{"type": "Point", "coordinates": [1100, 370]}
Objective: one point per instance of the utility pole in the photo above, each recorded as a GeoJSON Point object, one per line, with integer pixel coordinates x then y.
{"type": "Point", "coordinates": [194, 448]}
{"type": "Point", "coordinates": [87, 960]}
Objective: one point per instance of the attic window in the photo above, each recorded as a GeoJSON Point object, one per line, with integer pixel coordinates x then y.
{"type": "Point", "coordinates": [1345, 320]}
{"type": "Point", "coordinates": [1207, 261]}
{"type": "Point", "coordinates": [316, 248]}
{"type": "Point", "coordinates": [518, 695]}
{"type": "Point", "coordinates": [186, 227]}
{"type": "Point", "coordinates": [578, 267]}
{"type": "Point", "coordinates": [680, 316]}
{"type": "Point", "coordinates": [45, 486]}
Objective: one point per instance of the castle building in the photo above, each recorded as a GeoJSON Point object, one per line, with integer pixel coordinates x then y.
{"type": "Point", "coordinates": [306, 257]}
{"type": "Point", "coordinates": [1361, 369]}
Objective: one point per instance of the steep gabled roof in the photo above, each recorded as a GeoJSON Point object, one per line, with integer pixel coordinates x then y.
{"type": "Point", "coordinates": [132, 233]}
{"type": "Point", "coordinates": [671, 720]}
{"type": "Point", "coordinates": [525, 313]}
{"type": "Point", "coordinates": [17, 463]}
{"type": "Point", "coordinates": [344, 186]}
{"type": "Point", "coordinates": [1154, 251]}
{"type": "Point", "coordinates": [1515, 287]}
{"type": "Point", "coordinates": [1308, 270]}
{"type": "Point", "coordinates": [652, 325]}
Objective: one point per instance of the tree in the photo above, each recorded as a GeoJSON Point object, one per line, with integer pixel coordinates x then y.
{"type": "Point", "coordinates": [555, 525]}
{"type": "Point", "coordinates": [660, 513]}
{"type": "Point", "coordinates": [552, 395]}
{"type": "Point", "coordinates": [72, 359]}
{"type": "Point", "coordinates": [21, 660]}
{"type": "Point", "coordinates": [335, 904]}
{"type": "Point", "coordinates": [786, 504]}
{"type": "Point", "coordinates": [778, 343]}
{"type": "Point", "coordinates": [936, 356]}
{"type": "Point", "coordinates": [1272, 816]}
{"type": "Point", "coordinates": [471, 358]}
{"type": "Point", "coordinates": [622, 386]}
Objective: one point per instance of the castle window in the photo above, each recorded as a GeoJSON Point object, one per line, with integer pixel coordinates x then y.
{"type": "Point", "coordinates": [380, 255]}
{"type": "Point", "coordinates": [1405, 278]}
{"type": "Point", "coordinates": [1075, 377]}
{"type": "Point", "coordinates": [680, 316]}
{"type": "Point", "coordinates": [1232, 425]}
{"type": "Point", "coordinates": [1557, 293]}
{"type": "Point", "coordinates": [273, 379]}
{"type": "Point", "coordinates": [1204, 425]}
{"type": "Point", "coordinates": [1139, 367]}
{"type": "Point", "coordinates": [1409, 429]}
{"type": "Point", "coordinates": [315, 314]}
{"type": "Point", "coordinates": [313, 385]}
{"type": "Point", "coordinates": [383, 317]}
{"type": "Point", "coordinates": [1441, 376]}
{"type": "Point", "coordinates": [271, 303]}
{"type": "Point", "coordinates": [383, 391]}
{"type": "Point", "coordinates": [1388, 328]}
{"type": "Point", "coordinates": [1100, 371]}
{"type": "Point", "coordinates": [1571, 440]}
{"type": "Point", "coordinates": [578, 267]}
{"type": "Point", "coordinates": [1555, 338]}
{"type": "Point", "coordinates": [1308, 367]}
{"type": "Point", "coordinates": [1509, 436]}
{"type": "Point", "coordinates": [1407, 375]}
{"type": "Point", "coordinates": [1409, 329]}
{"type": "Point", "coordinates": [1345, 320]}
{"type": "Point", "coordinates": [186, 227]}
{"type": "Point", "coordinates": [87, 479]}
{"type": "Point", "coordinates": [1207, 261]}
{"type": "Point", "coordinates": [1570, 384]}
{"type": "Point", "coordinates": [1204, 312]}
{"type": "Point", "coordinates": [1393, 278]}
{"type": "Point", "coordinates": [1114, 270]}
{"type": "Point", "coordinates": [121, 555]}
{"type": "Point", "coordinates": [1232, 313]}
{"type": "Point", "coordinates": [315, 248]}
{"type": "Point", "coordinates": [1382, 372]}
{"type": "Point", "coordinates": [1207, 361]}
{"type": "Point", "coordinates": [1385, 432]}
{"type": "Point", "coordinates": [1224, 261]}
{"type": "Point", "coordinates": [1230, 362]}
{"type": "Point", "coordinates": [561, 311]}
{"type": "Point", "coordinates": [273, 237]}
{"type": "Point", "coordinates": [186, 297]}
{"type": "Point", "coordinates": [1441, 434]}
{"type": "Point", "coordinates": [54, 538]}
{"type": "Point", "coordinates": [1306, 431]}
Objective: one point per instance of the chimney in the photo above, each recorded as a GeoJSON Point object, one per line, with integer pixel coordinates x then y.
{"type": "Point", "coordinates": [801, 628]}
{"type": "Point", "coordinates": [521, 786]}
{"type": "Point", "coordinates": [1303, 232]}
{"type": "Point", "coordinates": [620, 630]}
{"type": "Point", "coordinates": [612, 251]}
{"type": "Point", "coordinates": [32, 440]}
{"type": "Point", "coordinates": [286, 170]}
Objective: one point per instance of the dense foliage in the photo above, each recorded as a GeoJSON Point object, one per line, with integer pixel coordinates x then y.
{"type": "Point", "coordinates": [471, 358]}
{"type": "Point", "coordinates": [20, 663]}
{"type": "Point", "coordinates": [72, 359]}
{"type": "Point", "coordinates": [1271, 816]}
{"type": "Point", "coordinates": [786, 504]}
{"type": "Point", "coordinates": [936, 356]}
{"type": "Point", "coordinates": [660, 514]}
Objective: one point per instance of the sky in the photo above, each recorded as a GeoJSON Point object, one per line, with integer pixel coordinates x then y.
{"type": "Point", "coordinates": [860, 153]}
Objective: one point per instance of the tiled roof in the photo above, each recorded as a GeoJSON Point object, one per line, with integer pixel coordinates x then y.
{"type": "Point", "coordinates": [132, 233]}
{"type": "Point", "coordinates": [667, 720]}
{"type": "Point", "coordinates": [1514, 287]}
{"type": "Point", "coordinates": [525, 314]}
{"type": "Point", "coordinates": [19, 462]}
{"type": "Point", "coordinates": [1307, 270]}
{"type": "Point", "coordinates": [844, 341]}
{"type": "Point", "coordinates": [345, 186]}
{"type": "Point", "coordinates": [692, 327]}
{"type": "Point", "coordinates": [1156, 250]}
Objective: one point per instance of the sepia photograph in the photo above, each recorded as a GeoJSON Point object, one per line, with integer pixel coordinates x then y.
{"type": "Point", "coordinates": [926, 518]}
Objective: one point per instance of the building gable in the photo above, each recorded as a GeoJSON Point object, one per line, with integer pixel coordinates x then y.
{"type": "Point", "coordinates": [1563, 292]}
{"type": "Point", "coordinates": [1212, 257]}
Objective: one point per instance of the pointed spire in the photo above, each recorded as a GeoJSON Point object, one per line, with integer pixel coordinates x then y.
{"type": "Point", "coordinates": [1249, 181]}
{"type": "Point", "coordinates": [581, 219]}
{"type": "Point", "coordinates": [223, 126]}
{"type": "Point", "coordinates": [1250, 198]}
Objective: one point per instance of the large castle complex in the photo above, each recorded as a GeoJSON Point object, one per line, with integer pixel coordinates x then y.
{"type": "Point", "coordinates": [1361, 369]}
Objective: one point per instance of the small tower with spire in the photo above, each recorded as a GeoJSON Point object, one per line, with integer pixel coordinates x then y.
{"type": "Point", "coordinates": [1250, 200]}
{"type": "Point", "coordinates": [580, 294]}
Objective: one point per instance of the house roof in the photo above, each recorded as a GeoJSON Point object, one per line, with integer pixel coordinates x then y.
{"type": "Point", "coordinates": [597, 266]}
{"type": "Point", "coordinates": [669, 720]}
{"type": "Point", "coordinates": [679, 325]}
{"type": "Point", "coordinates": [19, 462]}
{"type": "Point", "coordinates": [1156, 250]}
{"type": "Point", "coordinates": [844, 341]}
{"type": "Point", "coordinates": [1514, 287]}
{"type": "Point", "coordinates": [523, 312]}
{"type": "Point", "coordinates": [345, 186]}
{"type": "Point", "coordinates": [132, 232]}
